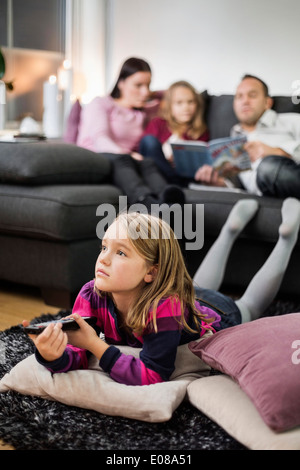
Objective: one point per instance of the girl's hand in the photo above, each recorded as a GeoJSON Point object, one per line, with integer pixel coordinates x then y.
{"type": "Point", "coordinates": [86, 338]}
{"type": "Point", "coordinates": [51, 343]}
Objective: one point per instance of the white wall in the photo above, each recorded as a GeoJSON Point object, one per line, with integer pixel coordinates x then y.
{"type": "Point", "coordinates": [86, 46]}
{"type": "Point", "coordinates": [210, 43]}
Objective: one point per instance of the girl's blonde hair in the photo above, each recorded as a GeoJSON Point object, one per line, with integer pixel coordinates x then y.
{"type": "Point", "coordinates": [197, 126]}
{"type": "Point", "coordinates": [158, 245]}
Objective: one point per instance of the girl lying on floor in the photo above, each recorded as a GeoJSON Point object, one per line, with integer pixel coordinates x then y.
{"type": "Point", "coordinates": [143, 296]}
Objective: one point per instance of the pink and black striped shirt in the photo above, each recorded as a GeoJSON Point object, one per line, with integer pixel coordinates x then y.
{"type": "Point", "coordinates": [158, 349]}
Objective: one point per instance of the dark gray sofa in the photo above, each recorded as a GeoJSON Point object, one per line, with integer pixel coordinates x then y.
{"type": "Point", "coordinates": [49, 194]}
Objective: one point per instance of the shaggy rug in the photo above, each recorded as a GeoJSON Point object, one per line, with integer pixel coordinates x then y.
{"type": "Point", "coordinates": [32, 423]}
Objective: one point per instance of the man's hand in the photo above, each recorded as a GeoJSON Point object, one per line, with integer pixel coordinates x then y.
{"type": "Point", "coordinates": [257, 150]}
{"type": "Point", "coordinates": [206, 174]}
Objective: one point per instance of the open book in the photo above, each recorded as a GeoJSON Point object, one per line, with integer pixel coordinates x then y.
{"type": "Point", "coordinates": [227, 155]}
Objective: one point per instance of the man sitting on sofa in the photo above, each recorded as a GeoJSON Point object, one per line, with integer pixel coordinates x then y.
{"type": "Point", "coordinates": [273, 144]}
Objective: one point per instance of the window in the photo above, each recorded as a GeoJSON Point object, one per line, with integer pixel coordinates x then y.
{"type": "Point", "coordinates": [33, 35]}
{"type": "Point", "coordinates": [3, 26]}
{"type": "Point", "coordinates": [35, 24]}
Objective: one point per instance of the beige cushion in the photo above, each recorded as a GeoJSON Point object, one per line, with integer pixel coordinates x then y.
{"type": "Point", "coordinates": [222, 400]}
{"type": "Point", "coordinates": [94, 389]}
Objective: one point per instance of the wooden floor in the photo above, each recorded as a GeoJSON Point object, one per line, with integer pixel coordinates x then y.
{"type": "Point", "coordinates": [19, 303]}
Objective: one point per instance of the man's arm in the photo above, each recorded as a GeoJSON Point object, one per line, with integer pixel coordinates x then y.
{"type": "Point", "coordinates": [257, 150]}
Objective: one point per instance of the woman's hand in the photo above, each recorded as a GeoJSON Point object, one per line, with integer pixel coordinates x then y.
{"type": "Point", "coordinates": [137, 156]}
{"type": "Point", "coordinates": [51, 343]}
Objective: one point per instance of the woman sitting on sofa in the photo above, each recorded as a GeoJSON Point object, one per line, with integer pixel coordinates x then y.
{"type": "Point", "coordinates": [113, 125]}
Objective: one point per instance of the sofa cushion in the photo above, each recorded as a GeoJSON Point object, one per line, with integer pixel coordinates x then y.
{"type": "Point", "coordinates": [284, 104]}
{"type": "Point", "coordinates": [60, 212]}
{"type": "Point", "coordinates": [219, 115]}
{"type": "Point", "coordinates": [218, 204]}
{"type": "Point", "coordinates": [51, 163]}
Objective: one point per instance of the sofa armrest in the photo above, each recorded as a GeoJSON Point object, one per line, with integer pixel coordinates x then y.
{"type": "Point", "coordinates": [51, 163]}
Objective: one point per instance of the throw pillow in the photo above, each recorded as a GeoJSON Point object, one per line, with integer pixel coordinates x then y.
{"type": "Point", "coordinates": [261, 357]}
{"type": "Point", "coordinates": [71, 131]}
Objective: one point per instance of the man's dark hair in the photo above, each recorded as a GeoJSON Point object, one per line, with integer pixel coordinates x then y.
{"type": "Point", "coordinates": [264, 85]}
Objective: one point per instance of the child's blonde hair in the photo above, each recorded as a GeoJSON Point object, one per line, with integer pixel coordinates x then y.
{"type": "Point", "coordinates": [197, 126]}
{"type": "Point", "coordinates": [158, 245]}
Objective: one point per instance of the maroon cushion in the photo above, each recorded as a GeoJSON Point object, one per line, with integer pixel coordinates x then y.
{"type": "Point", "coordinates": [263, 357]}
{"type": "Point", "coordinates": [72, 124]}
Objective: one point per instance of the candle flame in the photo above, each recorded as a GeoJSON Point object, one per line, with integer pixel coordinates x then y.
{"type": "Point", "coordinates": [67, 64]}
{"type": "Point", "coordinates": [52, 79]}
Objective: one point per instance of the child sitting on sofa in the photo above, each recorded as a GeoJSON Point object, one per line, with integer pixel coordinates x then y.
{"type": "Point", "coordinates": [182, 118]}
{"type": "Point", "coordinates": [143, 296]}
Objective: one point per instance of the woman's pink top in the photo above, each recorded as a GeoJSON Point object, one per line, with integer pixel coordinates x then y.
{"type": "Point", "coordinates": [107, 127]}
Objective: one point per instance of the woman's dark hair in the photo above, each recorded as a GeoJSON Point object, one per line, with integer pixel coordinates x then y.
{"type": "Point", "coordinates": [130, 66]}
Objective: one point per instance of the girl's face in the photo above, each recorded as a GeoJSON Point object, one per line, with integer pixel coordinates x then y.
{"type": "Point", "coordinates": [119, 268]}
{"type": "Point", "coordinates": [183, 105]}
{"type": "Point", "coordinates": [135, 89]}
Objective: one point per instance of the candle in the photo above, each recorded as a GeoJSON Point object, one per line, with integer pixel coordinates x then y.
{"type": "Point", "coordinates": [65, 85]}
{"type": "Point", "coordinates": [2, 104]}
{"type": "Point", "coordinates": [65, 76]}
{"type": "Point", "coordinates": [52, 117]}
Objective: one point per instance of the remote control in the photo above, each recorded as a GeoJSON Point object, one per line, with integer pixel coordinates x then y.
{"type": "Point", "coordinates": [67, 324]}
